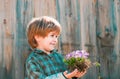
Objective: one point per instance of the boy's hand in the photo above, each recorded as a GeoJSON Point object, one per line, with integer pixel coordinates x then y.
{"type": "Point", "coordinates": [70, 75]}
{"type": "Point", "coordinates": [74, 73]}
{"type": "Point", "coordinates": [80, 74]}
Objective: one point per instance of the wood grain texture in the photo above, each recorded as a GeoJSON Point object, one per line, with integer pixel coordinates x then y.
{"type": "Point", "coordinates": [93, 25]}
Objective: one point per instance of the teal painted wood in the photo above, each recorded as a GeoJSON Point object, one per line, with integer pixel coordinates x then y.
{"type": "Point", "coordinates": [24, 13]}
{"type": "Point", "coordinates": [19, 40]}
{"type": "Point", "coordinates": [70, 22]}
{"type": "Point", "coordinates": [107, 54]}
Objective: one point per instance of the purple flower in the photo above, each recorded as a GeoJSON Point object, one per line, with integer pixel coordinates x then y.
{"type": "Point", "coordinates": [77, 59]}
{"type": "Point", "coordinates": [77, 53]}
{"type": "Point", "coordinates": [69, 56]}
{"type": "Point", "coordinates": [84, 54]}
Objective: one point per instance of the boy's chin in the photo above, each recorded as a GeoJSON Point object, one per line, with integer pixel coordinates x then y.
{"type": "Point", "coordinates": [52, 49]}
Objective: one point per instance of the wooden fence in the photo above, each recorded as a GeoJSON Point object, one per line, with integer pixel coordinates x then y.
{"type": "Point", "coordinates": [93, 25]}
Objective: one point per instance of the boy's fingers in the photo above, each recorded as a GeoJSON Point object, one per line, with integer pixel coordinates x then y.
{"type": "Point", "coordinates": [75, 71]}
{"type": "Point", "coordinates": [72, 74]}
{"type": "Point", "coordinates": [65, 73]}
{"type": "Point", "coordinates": [80, 74]}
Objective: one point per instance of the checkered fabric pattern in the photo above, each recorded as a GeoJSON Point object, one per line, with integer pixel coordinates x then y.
{"type": "Point", "coordinates": [40, 65]}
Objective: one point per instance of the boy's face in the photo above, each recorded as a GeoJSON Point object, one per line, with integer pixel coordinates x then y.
{"type": "Point", "coordinates": [47, 43]}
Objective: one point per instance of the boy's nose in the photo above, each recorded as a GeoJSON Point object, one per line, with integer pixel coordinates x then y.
{"type": "Point", "coordinates": [55, 39]}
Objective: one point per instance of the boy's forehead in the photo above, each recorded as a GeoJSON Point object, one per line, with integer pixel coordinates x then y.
{"type": "Point", "coordinates": [54, 32]}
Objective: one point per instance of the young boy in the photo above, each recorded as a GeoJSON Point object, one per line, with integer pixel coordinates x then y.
{"type": "Point", "coordinates": [45, 62]}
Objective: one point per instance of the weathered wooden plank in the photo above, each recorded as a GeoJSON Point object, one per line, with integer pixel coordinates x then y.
{"type": "Point", "coordinates": [108, 30]}
{"type": "Point", "coordinates": [1, 38]}
{"type": "Point", "coordinates": [44, 8]}
{"type": "Point", "coordinates": [93, 25]}
{"type": "Point", "coordinates": [1, 28]}
{"type": "Point", "coordinates": [24, 13]}
{"type": "Point", "coordinates": [7, 39]}
{"type": "Point", "coordinates": [70, 21]}
{"type": "Point", "coordinates": [88, 35]}
{"type": "Point", "coordinates": [117, 38]}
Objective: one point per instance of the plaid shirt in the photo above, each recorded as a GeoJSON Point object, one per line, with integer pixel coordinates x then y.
{"type": "Point", "coordinates": [40, 65]}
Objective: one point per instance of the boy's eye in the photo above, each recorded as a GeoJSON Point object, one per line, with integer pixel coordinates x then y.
{"type": "Point", "coordinates": [56, 36]}
{"type": "Point", "coordinates": [52, 35]}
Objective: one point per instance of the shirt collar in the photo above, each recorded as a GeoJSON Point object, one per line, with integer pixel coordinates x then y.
{"type": "Point", "coordinates": [41, 52]}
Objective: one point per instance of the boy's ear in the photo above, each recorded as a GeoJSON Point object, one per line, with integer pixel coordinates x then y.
{"type": "Point", "coordinates": [36, 37]}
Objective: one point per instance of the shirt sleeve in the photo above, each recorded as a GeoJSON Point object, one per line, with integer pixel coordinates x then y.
{"type": "Point", "coordinates": [56, 76]}
{"type": "Point", "coordinates": [33, 71]}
